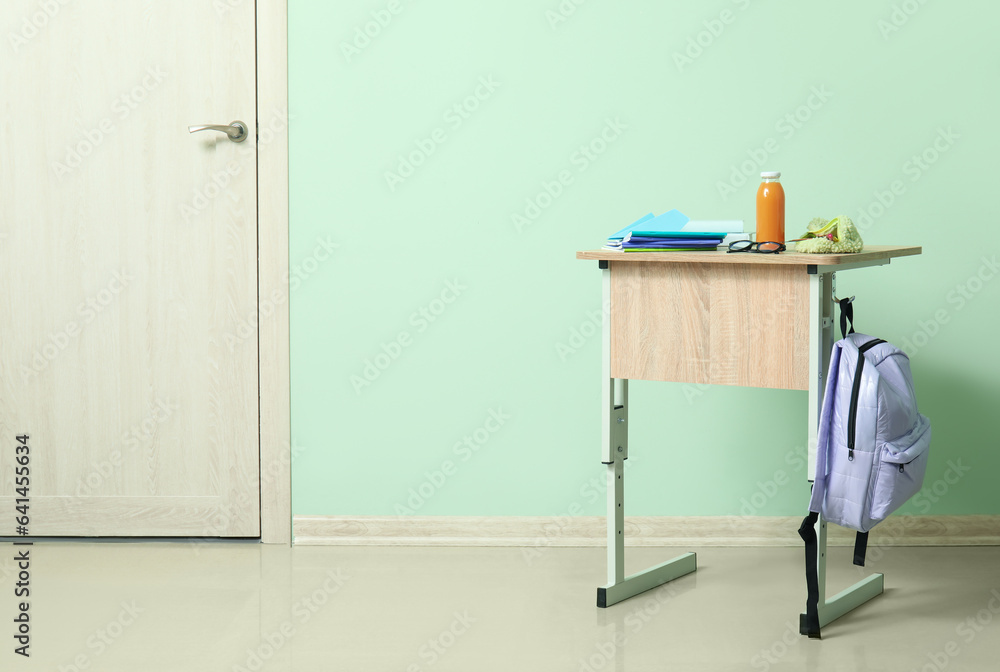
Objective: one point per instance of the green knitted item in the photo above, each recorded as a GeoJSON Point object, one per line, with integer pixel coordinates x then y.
{"type": "Point", "coordinates": [834, 236]}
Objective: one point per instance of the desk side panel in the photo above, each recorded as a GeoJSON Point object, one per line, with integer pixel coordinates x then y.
{"type": "Point", "coordinates": [660, 321]}
{"type": "Point", "coordinates": [736, 324]}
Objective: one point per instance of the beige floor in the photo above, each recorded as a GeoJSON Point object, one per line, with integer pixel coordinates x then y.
{"type": "Point", "coordinates": [242, 606]}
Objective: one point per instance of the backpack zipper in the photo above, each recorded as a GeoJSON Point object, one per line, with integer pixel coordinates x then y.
{"type": "Point", "coordinates": [852, 416]}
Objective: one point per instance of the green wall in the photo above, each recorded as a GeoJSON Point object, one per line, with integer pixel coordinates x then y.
{"type": "Point", "coordinates": [458, 275]}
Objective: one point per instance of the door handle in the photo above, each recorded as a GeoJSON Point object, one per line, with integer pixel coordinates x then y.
{"type": "Point", "coordinates": [237, 131]}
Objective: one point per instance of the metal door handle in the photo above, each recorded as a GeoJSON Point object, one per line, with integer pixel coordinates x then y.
{"type": "Point", "coordinates": [237, 131]}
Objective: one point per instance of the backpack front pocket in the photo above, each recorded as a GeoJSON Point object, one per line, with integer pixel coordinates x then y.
{"type": "Point", "coordinates": [900, 471]}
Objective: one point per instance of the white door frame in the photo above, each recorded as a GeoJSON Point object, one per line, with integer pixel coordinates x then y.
{"type": "Point", "coordinates": [272, 275]}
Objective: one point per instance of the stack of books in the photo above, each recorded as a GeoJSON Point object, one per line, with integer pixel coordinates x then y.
{"type": "Point", "coordinates": [671, 232]}
{"type": "Point", "coordinates": [664, 241]}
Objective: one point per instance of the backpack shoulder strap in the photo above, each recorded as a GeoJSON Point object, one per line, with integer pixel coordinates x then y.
{"type": "Point", "coordinates": [846, 315]}
{"type": "Point", "coordinates": [809, 622]}
{"type": "Point", "coordinates": [860, 548]}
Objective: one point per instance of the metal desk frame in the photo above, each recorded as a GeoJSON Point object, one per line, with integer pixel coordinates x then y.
{"type": "Point", "coordinates": [614, 422]}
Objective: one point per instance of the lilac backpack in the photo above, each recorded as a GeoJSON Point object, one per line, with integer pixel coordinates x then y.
{"type": "Point", "coordinates": [872, 447]}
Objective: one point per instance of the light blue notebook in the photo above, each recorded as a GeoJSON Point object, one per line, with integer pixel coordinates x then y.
{"type": "Point", "coordinates": [673, 220]}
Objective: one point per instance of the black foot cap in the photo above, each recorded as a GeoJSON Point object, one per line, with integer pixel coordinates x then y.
{"type": "Point", "coordinates": [804, 628]}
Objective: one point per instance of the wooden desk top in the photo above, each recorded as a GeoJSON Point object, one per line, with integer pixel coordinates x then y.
{"type": "Point", "coordinates": [870, 254]}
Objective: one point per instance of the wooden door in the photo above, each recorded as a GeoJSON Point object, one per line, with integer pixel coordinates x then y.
{"type": "Point", "coordinates": [128, 268]}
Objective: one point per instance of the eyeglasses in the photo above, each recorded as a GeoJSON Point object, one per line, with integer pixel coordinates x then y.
{"type": "Point", "coordinates": [764, 247]}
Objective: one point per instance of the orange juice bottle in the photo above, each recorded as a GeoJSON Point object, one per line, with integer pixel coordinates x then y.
{"type": "Point", "coordinates": [770, 209]}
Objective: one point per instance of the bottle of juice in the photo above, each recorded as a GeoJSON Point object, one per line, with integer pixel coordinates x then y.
{"type": "Point", "coordinates": [770, 209]}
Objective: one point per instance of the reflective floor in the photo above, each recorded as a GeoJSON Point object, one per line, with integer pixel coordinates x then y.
{"type": "Point", "coordinates": [243, 606]}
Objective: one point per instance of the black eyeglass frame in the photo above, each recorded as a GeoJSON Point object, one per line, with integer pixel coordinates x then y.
{"type": "Point", "coordinates": [751, 246]}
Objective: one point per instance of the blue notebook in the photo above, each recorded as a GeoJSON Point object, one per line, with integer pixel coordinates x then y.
{"type": "Point", "coordinates": [676, 235]}
{"type": "Point", "coordinates": [710, 240]}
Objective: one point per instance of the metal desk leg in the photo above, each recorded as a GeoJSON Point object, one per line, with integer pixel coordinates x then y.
{"type": "Point", "coordinates": [614, 452]}
{"type": "Point", "coordinates": [821, 325]}
{"type": "Point", "coordinates": [847, 599]}
{"type": "Point", "coordinates": [619, 586]}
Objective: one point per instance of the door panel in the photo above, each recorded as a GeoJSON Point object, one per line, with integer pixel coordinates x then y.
{"type": "Point", "coordinates": [128, 267]}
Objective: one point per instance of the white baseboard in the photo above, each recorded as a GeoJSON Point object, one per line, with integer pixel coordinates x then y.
{"type": "Point", "coordinates": [534, 531]}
